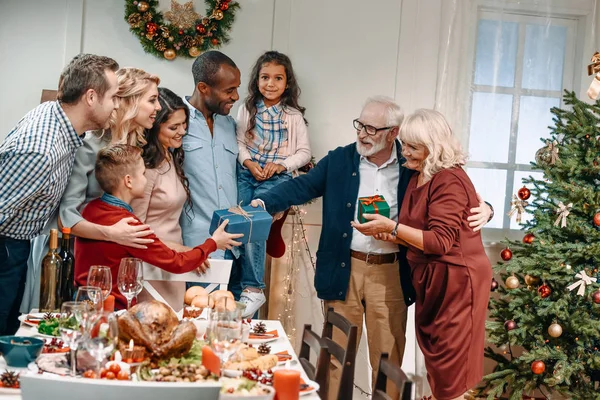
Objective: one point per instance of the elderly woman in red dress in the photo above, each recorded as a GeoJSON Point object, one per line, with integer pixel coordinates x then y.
{"type": "Point", "coordinates": [450, 270]}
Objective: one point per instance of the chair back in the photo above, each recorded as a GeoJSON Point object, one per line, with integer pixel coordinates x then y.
{"type": "Point", "coordinates": [394, 373]}
{"type": "Point", "coordinates": [318, 372]}
{"type": "Point", "coordinates": [346, 356]}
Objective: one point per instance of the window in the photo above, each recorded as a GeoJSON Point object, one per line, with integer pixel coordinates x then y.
{"type": "Point", "coordinates": [522, 64]}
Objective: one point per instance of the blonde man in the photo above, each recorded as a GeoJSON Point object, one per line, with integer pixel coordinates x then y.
{"type": "Point", "coordinates": [450, 271]}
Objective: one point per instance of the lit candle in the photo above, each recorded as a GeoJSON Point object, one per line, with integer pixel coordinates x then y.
{"type": "Point", "coordinates": [128, 353]}
{"type": "Point", "coordinates": [286, 383]}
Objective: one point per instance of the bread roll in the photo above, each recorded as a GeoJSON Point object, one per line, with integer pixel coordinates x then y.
{"type": "Point", "coordinates": [263, 363]}
{"type": "Point", "coordinates": [193, 292]}
{"type": "Point", "coordinates": [201, 301]}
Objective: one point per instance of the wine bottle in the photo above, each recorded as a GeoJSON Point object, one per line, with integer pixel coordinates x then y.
{"type": "Point", "coordinates": [67, 274]}
{"type": "Point", "coordinates": [49, 282]}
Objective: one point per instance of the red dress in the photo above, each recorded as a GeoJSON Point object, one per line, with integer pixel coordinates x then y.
{"type": "Point", "coordinates": [452, 278]}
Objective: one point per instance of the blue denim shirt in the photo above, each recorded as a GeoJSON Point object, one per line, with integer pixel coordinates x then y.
{"type": "Point", "coordinates": [210, 166]}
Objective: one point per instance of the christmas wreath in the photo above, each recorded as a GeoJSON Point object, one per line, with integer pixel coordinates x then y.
{"type": "Point", "coordinates": [181, 31]}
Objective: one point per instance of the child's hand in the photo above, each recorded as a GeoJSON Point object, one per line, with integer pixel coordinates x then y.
{"type": "Point", "coordinates": [225, 240]}
{"type": "Point", "coordinates": [272, 169]}
{"type": "Point", "coordinates": [255, 169]}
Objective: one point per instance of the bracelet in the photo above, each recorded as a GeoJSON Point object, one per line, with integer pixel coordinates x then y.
{"type": "Point", "coordinates": [395, 230]}
{"type": "Point", "coordinates": [491, 208]}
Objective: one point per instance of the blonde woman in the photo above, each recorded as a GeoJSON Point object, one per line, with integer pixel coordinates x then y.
{"type": "Point", "coordinates": [450, 270]}
{"type": "Point", "coordinates": [138, 104]}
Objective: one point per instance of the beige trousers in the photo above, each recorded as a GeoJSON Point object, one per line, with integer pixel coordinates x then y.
{"type": "Point", "coordinates": [374, 292]}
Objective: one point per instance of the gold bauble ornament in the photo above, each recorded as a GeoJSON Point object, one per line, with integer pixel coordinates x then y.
{"type": "Point", "coordinates": [170, 54]}
{"type": "Point", "coordinates": [531, 280]}
{"type": "Point", "coordinates": [194, 51]}
{"type": "Point", "coordinates": [218, 15]}
{"type": "Point", "coordinates": [555, 330]}
{"type": "Point", "coordinates": [143, 6]}
{"type": "Point", "coordinates": [512, 282]}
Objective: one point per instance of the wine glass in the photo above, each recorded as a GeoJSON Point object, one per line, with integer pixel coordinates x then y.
{"type": "Point", "coordinates": [130, 280]}
{"type": "Point", "coordinates": [225, 330]}
{"type": "Point", "coordinates": [91, 295]}
{"type": "Point", "coordinates": [103, 337]}
{"type": "Point", "coordinates": [100, 276]}
{"type": "Point", "coordinates": [70, 328]}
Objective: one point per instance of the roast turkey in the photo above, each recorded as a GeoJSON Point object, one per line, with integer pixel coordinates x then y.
{"type": "Point", "coordinates": [155, 326]}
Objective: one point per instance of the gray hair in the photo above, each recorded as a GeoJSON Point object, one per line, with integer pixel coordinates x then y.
{"type": "Point", "coordinates": [394, 114]}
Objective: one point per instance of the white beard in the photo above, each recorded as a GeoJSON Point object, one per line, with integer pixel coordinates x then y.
{"type": "Point", "coordinates": [376, 147]}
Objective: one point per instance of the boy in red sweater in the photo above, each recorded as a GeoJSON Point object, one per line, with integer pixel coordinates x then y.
{"type": "Point", "coordinates": [120, 172]}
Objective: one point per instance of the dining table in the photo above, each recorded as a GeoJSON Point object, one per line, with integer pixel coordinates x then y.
{"type": "Point", "coordinates": [278, 344]}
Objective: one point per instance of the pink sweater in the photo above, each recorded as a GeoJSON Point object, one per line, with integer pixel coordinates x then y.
{"type": "Point", "coordinates": [299, 152]}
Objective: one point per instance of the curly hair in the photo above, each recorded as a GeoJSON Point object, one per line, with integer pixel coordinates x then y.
{"type": "Point", "coordinates": [154, 152]}
{"type": "Point", "coordinates": [289, 98]}
{"type": "Point", "coordinates": [133, 84]}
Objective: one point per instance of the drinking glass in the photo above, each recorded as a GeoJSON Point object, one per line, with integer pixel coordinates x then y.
{"type": "Point", "coordinates": [71, 329]}
{"type": "Point", "coordinates": [103, 337]}
{"type": "Point", "coordinates": [130, 280]}
{"type": "Point", "coordinates": [225, 331]}
{"type": "Point", "coordinates": [91, 295]}
{"type": "Point", "coordinates": [100, 276]}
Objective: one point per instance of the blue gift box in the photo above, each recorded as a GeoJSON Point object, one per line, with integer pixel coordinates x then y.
{"type": "Point", "coordinates": [254, 223]}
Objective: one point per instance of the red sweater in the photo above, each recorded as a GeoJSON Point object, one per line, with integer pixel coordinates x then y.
{"type": "Point", "coordinates": [94, 252]}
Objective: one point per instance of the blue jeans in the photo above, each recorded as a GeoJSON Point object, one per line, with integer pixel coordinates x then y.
{"type": "Point", "coordinates": [253, 255]}
{"type": "Point", "coordinates": [234, 285]}
{"type": "Point", "coordinates": [13, 272]}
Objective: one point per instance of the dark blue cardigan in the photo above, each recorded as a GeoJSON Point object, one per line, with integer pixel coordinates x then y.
{"type": "Point", "coordinates": [336, 178]}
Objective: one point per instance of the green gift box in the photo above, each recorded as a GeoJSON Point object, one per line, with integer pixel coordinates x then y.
{"type": "Point", "coordinates": [372, 205]}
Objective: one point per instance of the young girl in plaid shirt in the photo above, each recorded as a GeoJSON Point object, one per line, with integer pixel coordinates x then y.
{"type": "Point", "coordinates": [273, 143]}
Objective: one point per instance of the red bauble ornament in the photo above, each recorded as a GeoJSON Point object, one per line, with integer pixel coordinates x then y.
{"type": "Point", "coordinates": [596, 297]}
{"type": "Point", "coordinates": [151, 28]}
{"type": "Point", "coordinates": [538, 367]}
{"type": "Point", "coordinates": [510, 325]}
{"type": "Point", "coordinates": [597, 219]}
{"type": "Point", "coordinates": [528, 238]}
{"type": "Point", "coordinates": [544, 291]}
{"type": "Point", "coordinates": [494, 285]}
{"type": "Point", "coordinates": [201, 29]}
{"type": "Point", "coordinates": [224, 6]}
{"type": "Point", "coordinates": [215, 42]}
{"type": "Point", "coordinates": [506, 254]}
{"type": "Point", "coordinates": [524, 193]}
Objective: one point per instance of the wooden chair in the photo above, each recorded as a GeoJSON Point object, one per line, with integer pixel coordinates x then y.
{"type": "Point", "coordinates": [390, 371]}
{"type": "Point", "coordinates": [345, 356]}
{"type": "Point", "coordinates": [318, 372]}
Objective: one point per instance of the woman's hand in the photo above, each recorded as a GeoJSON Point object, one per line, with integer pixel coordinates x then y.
{"type": "Point", "coordinates": [272, 169]}
{"type": "Point", "coordinates": [377, 224]}
{"type": "Point", "coordinates": [257, 172]}
{"type": "Point", "coordinates": [225, 240]}
{"type": "Point", "coordinates": [386, 237]}
{"type": "Point", "coordinates": [481, 215]}
{"type": "Point", "coordinates": [129, 235]}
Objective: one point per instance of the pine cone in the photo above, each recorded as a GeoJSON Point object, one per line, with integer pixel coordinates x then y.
{"type": "Point", "coordinates": [188, 42]}
{"type": "Point", "coordinates": [48, 316]}
{"type": "Point", "coordinates": [260, 328]}
{"type": "Point", "coordinates": [9, 379]}
{"type": "Point", "coordinates": [135, 20]}
{"type": "Point", "coordinates": [160, 44]}
{"type": "Point", "coordinates": [199, 41]}
{"type": "Point", "coordinates": [264, 349]}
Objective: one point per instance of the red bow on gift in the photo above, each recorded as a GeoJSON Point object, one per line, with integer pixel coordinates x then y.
{"type": "Point", "coordinates": [372, 201]}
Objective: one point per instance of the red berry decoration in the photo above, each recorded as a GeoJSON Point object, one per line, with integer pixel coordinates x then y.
{"type": "Point", "coordinates": [596, 297]}
{"type": "Point", "coordinates": [215, 41]}
{"type": "Point", "coordinates": [538, 367]}
{"type": "Point", "coordinates": [597, 219]}
{"type": "Point", "coordinates": [544, 291]}
{"type": "Point", "coordinates": [494, 285]}
{"type": "Point", "coordinates": [528, 238]}
{"type": "Point", "coordinates": [510, 325]}
{"type": "Point", "coordinates": [224, 7]}
{"type": "Point", "coordinates": [201, 29]}
{"type": "Point", "coordinates": [506, 254]}
{"type": "Point", "coordinates": [524, 193]}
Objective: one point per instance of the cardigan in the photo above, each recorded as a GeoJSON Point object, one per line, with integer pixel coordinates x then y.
{"type": "Point", "coordinates": [336, 178]}
{"type": "Point", "coordinates": [298, 154]}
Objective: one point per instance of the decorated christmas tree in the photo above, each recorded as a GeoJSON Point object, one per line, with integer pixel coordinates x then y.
{"type": "Point", "coordinates": [544, 319]}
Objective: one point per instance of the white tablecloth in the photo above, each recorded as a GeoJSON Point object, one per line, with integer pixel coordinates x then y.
{"type": "Point", "coordinates": [281, 344]}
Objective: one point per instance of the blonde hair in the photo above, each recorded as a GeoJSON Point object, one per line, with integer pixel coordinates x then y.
{"type": "Point", "coordinates": [133, 84]}
{"type": "Point", "coordinates": [113, 163]}
{"type": "Point", "coordinates": [429, 128]}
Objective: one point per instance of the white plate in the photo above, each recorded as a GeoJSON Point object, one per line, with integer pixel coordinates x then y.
{"type": "Point", "coordinates": [232, 373]}
{"type": "Point", "coordinates": [314, 385]}
{"type": "Point", "coordinates": [23, 319]}
{"type": "Point", "coordinates": [4, 390]}
{"type": "Point", "coordinates": [37, 334]}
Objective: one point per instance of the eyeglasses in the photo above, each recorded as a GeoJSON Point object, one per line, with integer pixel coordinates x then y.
{"type": "Point", "coordinates": [371, 130]}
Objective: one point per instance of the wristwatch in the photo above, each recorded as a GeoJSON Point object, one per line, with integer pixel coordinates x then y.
{"type": "Point", "coordinates": [491, 208]}
{"type": "Point", "coordinates": [395, 230]}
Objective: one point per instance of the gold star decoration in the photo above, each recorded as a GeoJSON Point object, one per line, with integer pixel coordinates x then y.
{"type": "Point", "coordinates": [182, 15]}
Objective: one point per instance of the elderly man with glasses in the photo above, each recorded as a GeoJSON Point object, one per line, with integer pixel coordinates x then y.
{"type": "Point", "coordinates": [358, 275]}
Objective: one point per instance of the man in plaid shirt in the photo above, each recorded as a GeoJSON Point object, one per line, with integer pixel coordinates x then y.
{"type": "Point", "coordinates": [36, 159]}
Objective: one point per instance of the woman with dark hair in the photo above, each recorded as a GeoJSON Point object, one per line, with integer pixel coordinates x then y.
{"type": "Point", "coordinates": [167, 191]}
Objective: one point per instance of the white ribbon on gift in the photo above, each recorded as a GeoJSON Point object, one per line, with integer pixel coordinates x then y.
{"type": "Point", "coordinates": [581, 283]}
{"type": "Point", "coordinates": [518, 206]}
{"type": "Point", "coordinates": [563, 212]}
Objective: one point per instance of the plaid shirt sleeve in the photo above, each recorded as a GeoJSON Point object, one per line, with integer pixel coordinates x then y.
{"type": "Point", "coordinates": [22, 176]}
